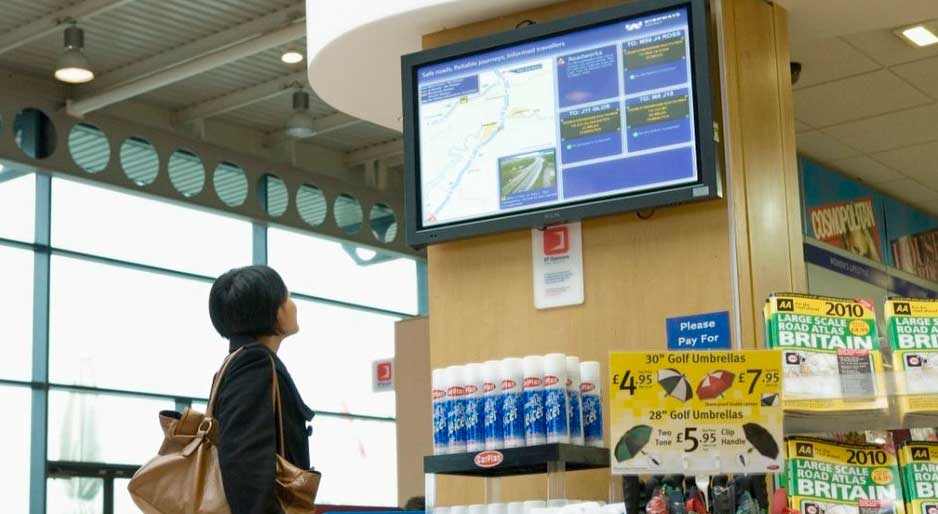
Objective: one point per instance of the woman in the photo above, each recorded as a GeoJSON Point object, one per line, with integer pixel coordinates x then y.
{"type": "Point", "coordinates": [251, 307]}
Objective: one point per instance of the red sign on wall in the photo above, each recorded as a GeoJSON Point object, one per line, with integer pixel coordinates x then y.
{"type": "Point", "coordinates": [382, 375]}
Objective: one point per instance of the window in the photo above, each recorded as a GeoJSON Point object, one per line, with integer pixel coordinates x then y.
{"type": "Point", "coordinates": [17, 205]}
{"type": "Point", "coordinates": [330, 359]}
{"type": "Point", "coordinates": [341, 271]}
{"type": "Point", "coordinates": [116, 429]}
{"type": "Point", "coordinates": [103, 222]}
{"type": "Point", "coordinates": [351, 453]}
{"type": "Point", "coordinates": [120, 328]}
{"type": "Point", "coordinates": [14, 446]}
{"type": "Point", "coordinates": [75, 495]}
{"type": "Point", "coordinates": [16, 282]}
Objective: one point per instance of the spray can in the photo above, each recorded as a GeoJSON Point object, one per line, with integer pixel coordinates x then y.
{"type": "Point", "coordinates": [556, 415]}
{"type": "Point", "coordinates": [535, 428]}
{"type": "Point", "coordinates": [492, 405]}
{"type": "Point", "coordinates": [456, 414]}
{"type": "Point", "coordinates": [512, 378]}
{"type": "Point", "coordinates": [438, 396]}
{"type": "Point", "coordinates": [475, 430]}
{"type": "Point", "coordinates": [574, 406]}
{"type": "Point", "coordinates": [591, 394]}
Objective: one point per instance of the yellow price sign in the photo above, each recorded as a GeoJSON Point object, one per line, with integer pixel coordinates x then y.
{"type": "Point", "coordinates": [696, 412]}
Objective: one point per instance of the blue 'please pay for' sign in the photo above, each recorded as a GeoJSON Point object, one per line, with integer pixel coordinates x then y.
{"type": "Point", "coordinates": [709, 331]}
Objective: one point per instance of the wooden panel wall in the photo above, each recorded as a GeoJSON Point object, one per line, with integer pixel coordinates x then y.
{"type": "Point", "coordinates": [637, 272]}
{"type": "Point", "coordinates": [760, 136]}
{"type": "Point", "coordinates": [412, 400]}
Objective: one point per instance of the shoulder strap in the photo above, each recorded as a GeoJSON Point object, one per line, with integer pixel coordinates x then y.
{"type": "Point", "coordinates": [210, 410]}
{"type": "Point", "coordinates": [278, 409]}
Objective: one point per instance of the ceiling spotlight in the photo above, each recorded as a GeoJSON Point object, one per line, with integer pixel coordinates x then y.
{"type": "Point", "coordinates": [301, 123]}
{"type": "Point", "coordinates": [292, 56]}
{"type": "Point", "coordinates": [73, 66]}
{"type": "Point", "coordinates": [919, 35]}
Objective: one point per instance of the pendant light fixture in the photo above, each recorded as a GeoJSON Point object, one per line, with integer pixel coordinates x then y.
{"type": "Point", "coordinates": [73, 66]}
{"type": "Point", "coordinates": [301, 124]}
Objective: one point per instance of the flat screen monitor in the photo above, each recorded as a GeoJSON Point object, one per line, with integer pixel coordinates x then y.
{"type": "Point", "coordinates": [605, 112]}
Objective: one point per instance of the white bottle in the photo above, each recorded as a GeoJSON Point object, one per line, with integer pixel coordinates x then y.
{"type": "Point", "coordinates": [438, 396]}
{"type": "Point", "coordinates": [456, 414]}
{"type": "Point", "coordinates": [492, 406]}
{"type": "Point", "coordinates": [591, 393]}
{"type": "Point", "coordinates": [556, 415]}
{"type": "Point", "coordinates": [475, 428]}
{"type": "Point", "coordinates": [574, 404]}
{"type": "Point", "coordinates": [535, 428]}
{"type": "Point", "coordinates": [512, 376]}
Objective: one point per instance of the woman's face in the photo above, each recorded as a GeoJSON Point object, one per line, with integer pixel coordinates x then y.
{"type": "Point", "coordinates": [286, 318]}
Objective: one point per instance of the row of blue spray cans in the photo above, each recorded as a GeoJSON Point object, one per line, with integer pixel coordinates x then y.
{"type": "Point", "coordinates": [517, 402]}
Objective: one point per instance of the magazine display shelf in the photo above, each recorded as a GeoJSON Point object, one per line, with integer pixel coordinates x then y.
{"type": "Point", "coordinates": [554, 460]}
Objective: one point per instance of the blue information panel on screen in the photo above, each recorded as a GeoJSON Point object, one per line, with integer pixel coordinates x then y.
{"type": "Point", "coordinates": [589, 114]}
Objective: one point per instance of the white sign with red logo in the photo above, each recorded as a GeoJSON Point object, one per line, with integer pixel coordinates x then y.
{"type": "Point", "coordinates": [382, 375]}
{"type": "Point", "coordinates": [558, 265]}
{"type": "Point", "coordinates": [489, 459]}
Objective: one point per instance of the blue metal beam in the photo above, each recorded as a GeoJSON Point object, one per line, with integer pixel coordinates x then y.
{"type": "Point", "coordinates": [40, 396]}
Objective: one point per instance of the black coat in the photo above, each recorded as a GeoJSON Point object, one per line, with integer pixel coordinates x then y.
{"type": "Point", "coordinates": [247, 428]}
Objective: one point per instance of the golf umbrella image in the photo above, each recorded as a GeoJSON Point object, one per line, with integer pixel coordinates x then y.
{"type": "Point", "coordinates": [715, 384]}
{"type": "Point", "coordinates": [771, 400]}
{"type": "Point", "coordinates": [675, 384]}
{"type": "Point", "coordinates": [632, 443]}
{"type": "Point", "coordinates": [761, 441]}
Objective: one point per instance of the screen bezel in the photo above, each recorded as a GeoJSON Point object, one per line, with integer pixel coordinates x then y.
{"type": "Point", "coordinates": [706, 187]}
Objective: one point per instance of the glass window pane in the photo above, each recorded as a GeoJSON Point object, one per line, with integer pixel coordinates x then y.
{"type": "Point", "coordinates": [352, 453]}
{"type": "Point", "coordinates": [133, 228]}
{"type": "Point", "coordinates": [334, 352]}
{"type": "Point", "coordinates": [16, 282]}
{"type": "Point", "coordinates": [342, 271]}
{"type": "Point", "coordinates": [17, 204]}
{"type": "Point", "coordinates": [123, 503]}
{"type": "Point", "coordinates": [116, 429]}
{"type": "Point", "coordinates": [14, 447]}
{"type": "Point", "coordinates": [104, 317]}
{"type": "Point", "coordinates": [75, 496]}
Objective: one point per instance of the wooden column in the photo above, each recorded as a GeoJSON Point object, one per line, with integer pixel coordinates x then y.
{"type": "Point", "coordinates": [720, 255]}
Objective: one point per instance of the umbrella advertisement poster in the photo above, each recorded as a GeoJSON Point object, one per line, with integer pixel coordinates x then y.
{"type": "Point", "coordinates": [695, 412]}
{"type": "Point", "coordinates": [826, 477]}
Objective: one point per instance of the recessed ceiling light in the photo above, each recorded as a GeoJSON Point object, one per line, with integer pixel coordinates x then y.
{"type": "Point", "coordinates": [919, 35]}
{"type": "Point", "coordinates": [292, 57]}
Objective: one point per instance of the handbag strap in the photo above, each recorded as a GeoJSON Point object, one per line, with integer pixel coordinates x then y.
{"type": "Point", "coordinates": [278, 409]}
{"type": "Point", "coordinates": [210, 409]}
{"type": "Point", "coordinates": [275, 387]}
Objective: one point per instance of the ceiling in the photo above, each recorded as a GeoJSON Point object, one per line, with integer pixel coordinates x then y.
{"type": "Point", "coordinates": [866, 102]}
{"type": "Point", "coordinates": [132, 41]}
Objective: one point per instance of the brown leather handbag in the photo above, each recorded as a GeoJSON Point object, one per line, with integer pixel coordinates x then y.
{"type": "Point", "coordinates": [185, 477]}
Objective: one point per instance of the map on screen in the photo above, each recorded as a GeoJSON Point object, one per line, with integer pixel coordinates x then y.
{"type": "Point", "coordinates": [593, 113]}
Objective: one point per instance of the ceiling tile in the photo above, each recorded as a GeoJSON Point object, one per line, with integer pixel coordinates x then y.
{"type": "Point", "coordinates": [921, 74]}
{"type": "Point", "coordinates": [867, 170]}
{"type": "Point", "coordinates": [854, 98]}
{"type": "Point", "coordinates": [802, 127]}
{"type": "Point", "coordinates": [931, 206]}
{"type": "Point", "coordinates": [827, 60]}
{"type": "Point", "coordinates": [908, 190]}
{"type": "Point", "coordinates": [823, 148]}
{"type": "Point", "coordinates": [887, 49]}
{"type": "Point", "coordinates": [888, 131]}
{"type": "Point", "coordinates": [919, 162]}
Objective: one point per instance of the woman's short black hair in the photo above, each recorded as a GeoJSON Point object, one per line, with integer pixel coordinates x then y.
{"type": "Point", "coordinates": [244, 302]}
